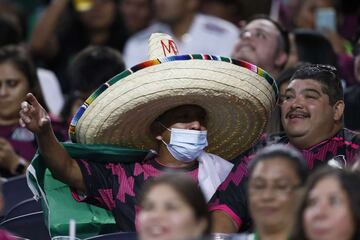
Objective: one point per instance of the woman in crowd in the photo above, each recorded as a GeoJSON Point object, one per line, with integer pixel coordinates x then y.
{"type": "Point", "coordinates": [331, 206]}
{"type": "Point", "coordinates": [17, 77]}
{"type": "Point", "coordinates": [172, 208]}
{"type": "Point", "coordinates": [276, 175]}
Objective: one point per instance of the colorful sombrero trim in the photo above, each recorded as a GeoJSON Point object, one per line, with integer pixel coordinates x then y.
{"type": "Point", "coordinates": [103, 87]}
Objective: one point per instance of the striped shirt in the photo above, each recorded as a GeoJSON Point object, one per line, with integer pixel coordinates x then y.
{"type": "Point", "coordinates": [231, 195]}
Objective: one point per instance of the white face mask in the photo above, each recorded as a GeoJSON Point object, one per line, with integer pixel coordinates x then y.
{"type": "Point", "coordinates": [186, 145]}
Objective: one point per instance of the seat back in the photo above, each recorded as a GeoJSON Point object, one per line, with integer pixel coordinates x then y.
{"type": "Point", "coordinates": [29, 226]}
{"type": "Point", "coordinates": [24, 207]}
{"type": "Point", "coordinates": [115, 236]}
{"type": "Point", "coordinates": [15, 190]}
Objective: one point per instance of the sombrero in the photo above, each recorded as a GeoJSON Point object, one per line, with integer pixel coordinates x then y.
{"type": "Point", "coordinates": [237, 96]}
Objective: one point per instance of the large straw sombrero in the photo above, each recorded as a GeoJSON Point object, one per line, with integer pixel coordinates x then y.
{"type": "Point", "coordinates": [237, 96]}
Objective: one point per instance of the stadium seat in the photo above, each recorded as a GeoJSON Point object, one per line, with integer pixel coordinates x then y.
{"type": "Point", "coordinates": [30, 226]}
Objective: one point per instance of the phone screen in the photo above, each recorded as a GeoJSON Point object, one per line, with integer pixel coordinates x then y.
{"type": "Point", "coordinates": [325, 19]}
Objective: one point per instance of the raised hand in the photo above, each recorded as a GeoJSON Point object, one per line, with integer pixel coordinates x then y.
{"type": "Point", "coordinates": [33, 116]}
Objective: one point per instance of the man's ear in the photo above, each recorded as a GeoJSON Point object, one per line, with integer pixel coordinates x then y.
{"type": "Point", "coordinates": [339, 107]}
{"type": "Point", "coordinates": [158, 137]}
{"type": "Point", "coordinates": [281, 59]}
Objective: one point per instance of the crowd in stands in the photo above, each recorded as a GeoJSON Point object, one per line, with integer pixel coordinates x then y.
{"type": "Point", "coordinates": [260, 143]}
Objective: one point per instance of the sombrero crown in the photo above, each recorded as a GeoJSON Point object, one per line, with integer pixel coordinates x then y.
{"type": "Point", "coordinates": [237, 96]}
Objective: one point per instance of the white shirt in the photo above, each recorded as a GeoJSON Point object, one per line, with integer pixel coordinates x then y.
{"type": "Point", "coordinates": [207, 35]}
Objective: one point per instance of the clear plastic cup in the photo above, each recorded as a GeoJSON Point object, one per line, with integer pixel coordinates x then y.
{"type": "Point", "coordinates": [65, 238]}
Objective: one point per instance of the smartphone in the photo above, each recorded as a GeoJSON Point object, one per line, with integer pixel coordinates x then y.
{"type": "Point", "coordinates": [325, 19]}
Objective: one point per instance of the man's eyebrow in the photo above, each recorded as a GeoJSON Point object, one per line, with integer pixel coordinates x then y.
{"type": "Point", "coordinates": [311, 90]}
{"type": "Point", "coordinates": [290, 90]}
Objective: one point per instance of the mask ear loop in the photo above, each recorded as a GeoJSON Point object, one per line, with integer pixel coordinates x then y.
{"type": "Point", "coordinates": [166, 129]}
{"type": "Point", "coordinates": [164, 126]}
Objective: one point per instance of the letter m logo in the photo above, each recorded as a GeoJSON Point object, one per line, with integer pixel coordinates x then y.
{"type": "Point", "coordinates": [169, 48]}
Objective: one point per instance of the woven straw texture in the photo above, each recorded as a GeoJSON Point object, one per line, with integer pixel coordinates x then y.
{"type": "Point", "coordinates": [237, 99]}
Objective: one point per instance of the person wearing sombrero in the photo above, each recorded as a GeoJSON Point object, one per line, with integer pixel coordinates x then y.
{"type": "Point", "coordinates": [192, 111]}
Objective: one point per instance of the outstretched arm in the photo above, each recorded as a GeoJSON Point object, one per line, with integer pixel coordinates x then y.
{"type": "Point", "coordinates": [34, 117]}
{"type": "Point", "coordinates": [222, 223]}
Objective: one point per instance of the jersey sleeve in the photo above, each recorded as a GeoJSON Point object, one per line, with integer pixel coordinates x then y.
{"type": "Point", "coordinates": [99, 183]}
{"type": "Point", "coordinates": [231, 198]}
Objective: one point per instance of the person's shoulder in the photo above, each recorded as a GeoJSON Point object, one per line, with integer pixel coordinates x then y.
{"type": "Point", "coordinates": [144, 35]}
{"type": "Point", "coordinates": [216, 25]}
{"type": "Point", "coordinates": [264, 140]}
{"type": "Point", "coordinates": [135, 50]}
{"type": "Point", "coordinates": [141, 36]}
{"type": "Point", "coordinates": [351, 136]}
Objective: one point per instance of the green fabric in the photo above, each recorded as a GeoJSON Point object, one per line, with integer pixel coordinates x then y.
{"type": "Point", "coordinates": [56, 200]}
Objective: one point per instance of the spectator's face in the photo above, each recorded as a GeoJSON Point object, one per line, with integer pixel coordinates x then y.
{"type": "Point", "coordinates": [327, 215]}
{"type": "Point", "coordinates": [172, 11]}
{"type": "Point", "coordinates": [136, 14]}
{"type": "Point", "coordinates": [273, 194]}
{"type": "Point", "coordinates": [258, 44]}
{"type": "Point", "coordinates": [307, 115]}
{"type": "Point", "coordinates": [100, 16]}
{"type": "Point", "coordinates": [166, 216]}
{"type": "Point", "coordinates": [13, 88]}
{"type": "Point", "coordinates": [183, 117]}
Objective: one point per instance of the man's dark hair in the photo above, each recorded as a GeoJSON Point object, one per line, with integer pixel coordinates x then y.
{"type": "Point", "coordinates": [287, 73]}
{"type": "Point", "coordinates": [348, 181]}
{"type": "Point", "coordinates": [283, 40]}
{"type": "Point", "coordinates": [289, 154]}
{"type": "Point", "coordinates": [93, 66]}
{"type": "Point", "coordinates": [326, 75]}
{"type": "Point", "coordinates": [314, 47]}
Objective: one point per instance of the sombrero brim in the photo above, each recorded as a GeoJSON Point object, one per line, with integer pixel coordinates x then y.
{"type": "Point", "coordinates": [237, 96]}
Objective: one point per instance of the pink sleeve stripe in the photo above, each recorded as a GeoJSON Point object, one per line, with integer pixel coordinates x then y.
{"type": "Point", "coordinates": [76, 195]}
{"type": "Point", "coordinates": [228, 211]}
{"type": "Point", "coordinates": [353, 145]}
